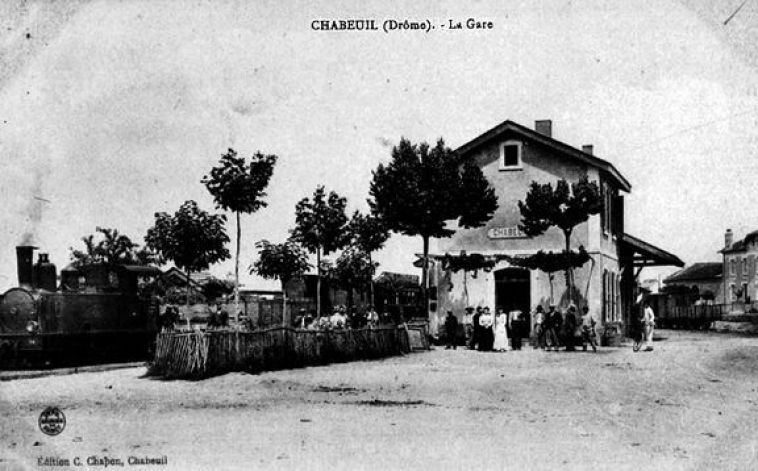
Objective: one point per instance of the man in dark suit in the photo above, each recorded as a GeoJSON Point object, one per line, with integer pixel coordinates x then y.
{"type": "Point", "coordinates": [477, 334]}
{"type": "Point", "coordinates": [569, 328]}
{"type": "Point", "coordinates": [451, 330]}
{"type": "Point", "coordinates": [553, 320]}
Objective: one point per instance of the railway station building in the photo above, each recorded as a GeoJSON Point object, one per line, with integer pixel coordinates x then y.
{"type": "Point", "coordinates": [511, 156]}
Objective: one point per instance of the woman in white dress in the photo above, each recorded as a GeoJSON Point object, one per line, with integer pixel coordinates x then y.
{"type": "Point", "coordinates": [501, 332]}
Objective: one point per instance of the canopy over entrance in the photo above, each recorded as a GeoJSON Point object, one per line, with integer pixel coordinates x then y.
{"type": "Point", "coordinates": [642, 254]}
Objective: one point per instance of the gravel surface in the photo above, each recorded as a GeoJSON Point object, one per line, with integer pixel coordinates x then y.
{"type": "Point", "coordinates": [690, 404]}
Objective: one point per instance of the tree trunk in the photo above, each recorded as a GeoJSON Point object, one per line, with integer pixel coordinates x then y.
{"type": "Point", "coordinates": [371, 282]}
{"type": "Point", "coordinates": [318, 282]}
{"type": "Point", "coordinates": [465, 288]}
{"type": "Point", "coordinates": [569, 270]}
{"type": "Point", "coordinates": [189, 327]}
{"type": "Point", "coordinates": [187, 301]}
{"type": "Point", "coordinates": [285, 313]}
{"type": "Point", "coordinates": [237, 272]}
{"type": "Point", "coordinates": [550, 278]}
{"type": "Point", "coordinates": [425, 278]}
{"type": "Point", "coordinates": [350, 299]}
{"type": "Point", "coordinates": [589, 279]}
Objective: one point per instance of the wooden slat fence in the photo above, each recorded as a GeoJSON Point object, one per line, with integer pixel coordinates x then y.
{"type": "Point", "coordinates": [691, 317]}
{"type": "Point", "coordinates": [203, 354]}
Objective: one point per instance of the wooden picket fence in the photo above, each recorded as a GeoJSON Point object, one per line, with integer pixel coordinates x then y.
{"type": "Point", "coordinates": [691, 317]}
{"type": "Point", "coordinates": [202, 354]}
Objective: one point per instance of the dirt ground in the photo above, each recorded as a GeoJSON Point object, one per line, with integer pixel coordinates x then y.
{"type": "Point", "coordinates": [690, 404]}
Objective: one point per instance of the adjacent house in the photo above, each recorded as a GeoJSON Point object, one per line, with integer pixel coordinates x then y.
{"type": "Point", "coordinates": [176, 278]}
{"type": "Point", "coordinates": [740, 283]}
{"type": "Point", "coordinates": [511, 156]}
{"type": "Point", "coordinates": [698, 283]}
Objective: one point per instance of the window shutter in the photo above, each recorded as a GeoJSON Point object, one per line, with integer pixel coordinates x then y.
{"type": "Point", "coordinates": [618, 215]}
{"type": "Point", "coordinates": [603, 209]}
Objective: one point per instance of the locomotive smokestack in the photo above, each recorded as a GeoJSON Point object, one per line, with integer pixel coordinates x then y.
{"type": "Point", "coordinates": [24, 264]}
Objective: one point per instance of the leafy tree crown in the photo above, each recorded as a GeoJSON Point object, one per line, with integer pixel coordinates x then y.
{"type": "Point", "coordinates": [237, 186]}
{"type": "Point", "coordinates": [353, 268]}
{"type": "Point", "coordinates": [563, 206]}
{"type": "Point", "coordinates": [280, 261]}
{"type": "Point", "coordinates": [320, 222]}
{"type": "Point", "coordinates": [422, 187]}
{"type": "Point", "coordinates": [192, 238]}
{"type": "Point", "coordinates": [368, 233]}
{"type": "Point", "coordinates": [113, 248]}
{"type": "Point", "coordinates": [214, 288]}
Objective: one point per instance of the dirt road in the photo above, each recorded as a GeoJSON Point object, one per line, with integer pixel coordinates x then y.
{"type": "Point", "coordinates": [690, 404]}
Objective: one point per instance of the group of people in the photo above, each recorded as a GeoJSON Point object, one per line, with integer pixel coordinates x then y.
{"type": "Point", "coordinates": [340, 318]}
{"type": "Point", "coordinates": [217, 317]}
{"type": "Point", "coordinates": [485, 332]}
{"type": "Point", "coordinates": [553, 329]}
{"type": "Point", "coordinates": [503, 332]}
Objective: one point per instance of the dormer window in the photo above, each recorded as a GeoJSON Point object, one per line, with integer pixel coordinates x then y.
{"type": "Point", "coordinates": [510, 155]}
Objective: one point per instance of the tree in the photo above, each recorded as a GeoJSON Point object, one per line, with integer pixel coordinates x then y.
{"type": "Point", "coordinates": [550, 263]}
{"type": "Point", "coordinates": [114, 249]}
{"type": "Point", "coordinates": [564, 207]}
{"type": "Point", "coordinates": [368, 234]}
{"type": "Point", "coordinates": [320, 226]}
{"type": "Point", "coordinates": [192, 238]}
{"type": "Point", "coordinates": [422, 188]}
{"type": "Point", "coordinates": [240, 188]}
{"type": "Point", "coordinates": [281, 262]}
{"type": "Point", "coordinates": [214, 288]}
{"type": "Point", "coordinates": [353, 270]}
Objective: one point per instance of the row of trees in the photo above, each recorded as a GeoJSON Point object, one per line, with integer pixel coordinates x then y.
{"type": "Point", "coordinates": [418, 193]}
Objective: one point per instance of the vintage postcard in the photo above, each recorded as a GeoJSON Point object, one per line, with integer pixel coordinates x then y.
{"type": "Point", "coordinates": [378, 235]}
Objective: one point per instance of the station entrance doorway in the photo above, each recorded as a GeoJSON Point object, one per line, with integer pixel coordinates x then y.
{"type": "Point", "coordinates": [513, 292]}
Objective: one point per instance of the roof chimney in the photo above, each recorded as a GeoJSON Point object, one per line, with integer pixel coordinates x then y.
{"type": "Point", "coordinates": [587, 149]}
{"type": "Point", "coordinates": [544, 127]}
{"type": "Point", "coordinates": [728, 238]}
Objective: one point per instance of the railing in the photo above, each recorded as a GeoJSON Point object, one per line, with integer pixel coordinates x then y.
{"type": "Point", "coordinates": [202, 354]}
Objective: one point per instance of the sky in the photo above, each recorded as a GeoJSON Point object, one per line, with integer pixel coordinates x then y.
{"type": "Point", "coordinates": [111, 111]}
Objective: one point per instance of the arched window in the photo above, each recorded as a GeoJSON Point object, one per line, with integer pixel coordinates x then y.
{"type": "Point", "coordinates": [605, 297]}
{"type": "Point", "coordinates": [617, 298]}
{"type": "Point", "coordinates": [613, 297]}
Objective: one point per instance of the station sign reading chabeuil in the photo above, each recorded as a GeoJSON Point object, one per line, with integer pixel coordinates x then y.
{"type": "Point", "coordinates": [506, 232]}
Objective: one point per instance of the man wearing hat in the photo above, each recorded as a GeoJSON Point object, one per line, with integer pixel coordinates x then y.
{"type": "Point", "coordinates": [569, 327]}
{"type": "Point", "coordinates": [451, 330]}
{"type": "Point", "coordinates": [553, 321]}
{"type": "Point", "coordinates": [539, 327]}
{"type": "Point", "coordinates": [468, 326]}
{"type": "Point", "coordinates": [477, 330]}
{"type": "Point", "coordinates": [588, 330]}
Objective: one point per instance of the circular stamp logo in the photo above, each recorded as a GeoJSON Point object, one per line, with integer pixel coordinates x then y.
{"type": "Point", "coordinates": [52, 421]}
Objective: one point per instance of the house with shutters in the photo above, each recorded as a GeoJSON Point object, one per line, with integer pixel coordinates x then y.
{"type": "Point", "coordinates": [740, 268]}
{"type": "Point", "coordinates": [699, 283]}
{"type": "Point", "coordinates": [511, 156]}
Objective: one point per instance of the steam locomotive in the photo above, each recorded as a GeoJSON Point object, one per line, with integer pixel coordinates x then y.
{"type": "Point", "coordinates": [97, 313]}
